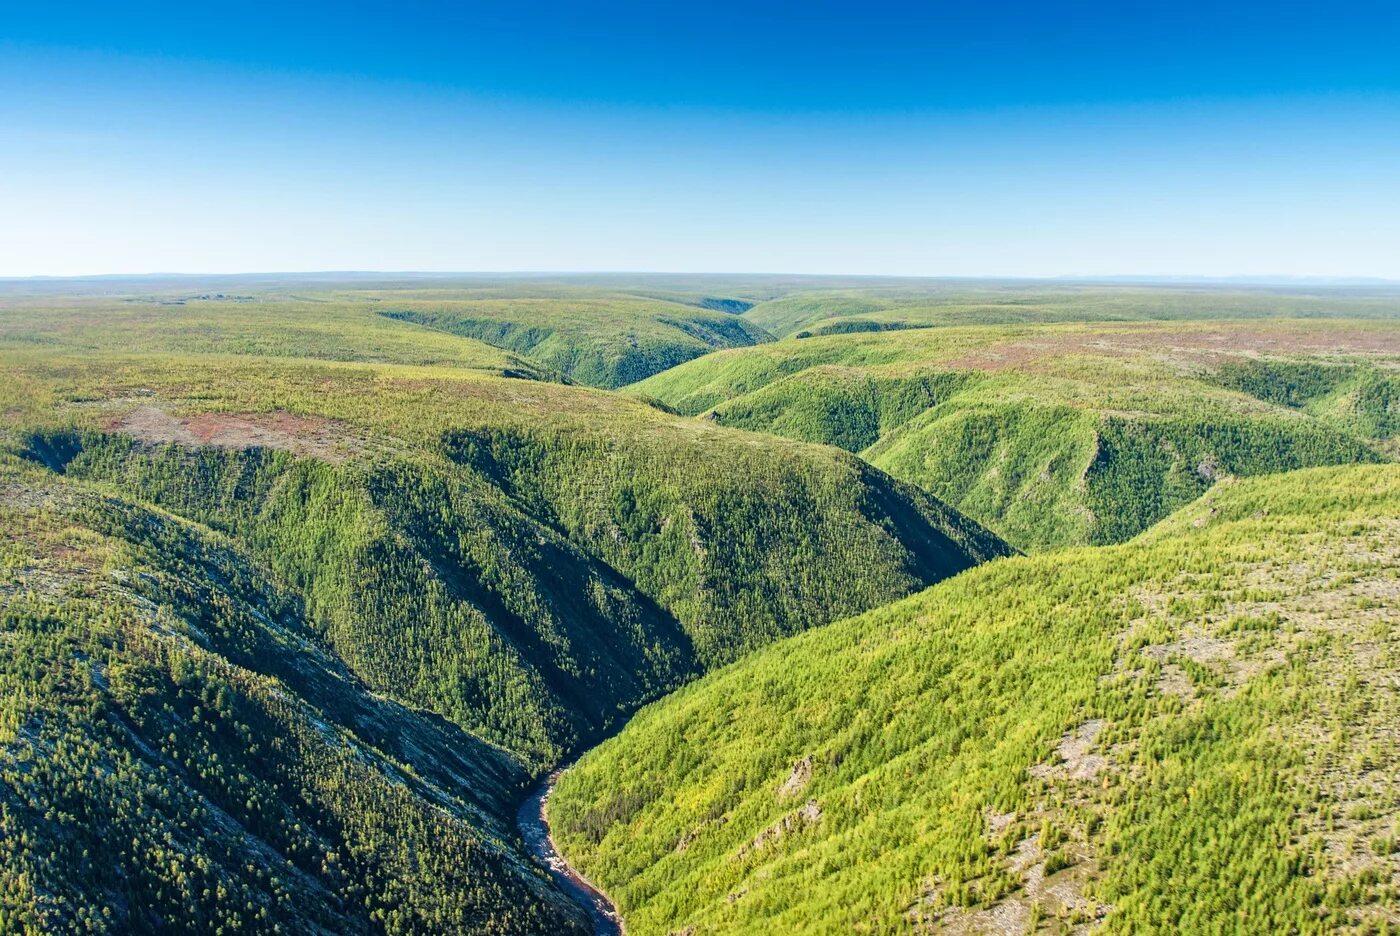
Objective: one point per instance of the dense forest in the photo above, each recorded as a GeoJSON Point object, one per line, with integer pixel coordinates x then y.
{"type": "Point", "coordinates": [1059, 435]}
{"type": "Point", "coordinates": [306, 584]}
{"type": "Point", "coordinates": [1190, 732]}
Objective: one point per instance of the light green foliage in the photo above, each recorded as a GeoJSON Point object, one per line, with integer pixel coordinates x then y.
{"type": "Point", "coordinates": [1098, 716]}
{"type": "Point", "coordinates": [879, 306]}
{"type": "Point", "coordinates": [1063, 434]}
{"type": "Point", "coordinates": [604, 341]}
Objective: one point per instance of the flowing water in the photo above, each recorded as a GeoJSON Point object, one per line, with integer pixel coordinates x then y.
{"type": "Point", "coordinates": [534, 829]}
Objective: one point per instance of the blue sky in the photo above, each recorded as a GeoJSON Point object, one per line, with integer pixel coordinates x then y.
{"type": "Point", "coordinates": [1012, 139]}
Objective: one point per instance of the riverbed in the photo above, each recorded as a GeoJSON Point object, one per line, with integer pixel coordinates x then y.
{"type": "Point", "coordinates": [533, 824]}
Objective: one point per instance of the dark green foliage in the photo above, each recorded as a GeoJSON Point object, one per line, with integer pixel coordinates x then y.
{"type": "Point", "coordinates": [800, 544]}
{"type": "Point", "coordinates": [601, 343]}
{"type": "Point", "coordinates": [1286, 383]}
{"type": "Point", "coordinates": [429, 583]}
{"type": "Point", "coordinates": [179, 752]}
{"type": "Point", "coordinates": [1143, 471]}
{"type": "Point", "coordinates": [845, 408]}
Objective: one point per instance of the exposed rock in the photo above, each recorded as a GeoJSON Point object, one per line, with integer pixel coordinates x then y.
{"type": "Point", "coordinates": [794, 821]}
{"type": "Point", "coordinates": [798, 779]}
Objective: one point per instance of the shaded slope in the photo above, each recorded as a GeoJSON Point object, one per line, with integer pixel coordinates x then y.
{"type": "Point", "coordinates": [526, 559]}
{"type": "Point", "coordinates": [1191, 731]}
{"type": "Point", "coordinates": [178, 750]}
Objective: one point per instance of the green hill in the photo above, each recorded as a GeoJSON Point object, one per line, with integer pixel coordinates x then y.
{"type": "Point", "coordinates": [603, 342]}
{"type": "Point", "coordinates": [1191, 732]}
{"type": "Point", "coordinates": [882, 306]}
{"type": "Point", "coordinates": [179, 750]}
{"type": "Point", "coordinates": [519, 328]}
{"type": "Point", "coordinates": [404, 591]}
{"type": "Point", "coordinates": [1063, 434]}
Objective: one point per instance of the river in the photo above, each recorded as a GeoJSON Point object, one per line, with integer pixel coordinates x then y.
{"type": "Point", "coordinates": [534, 829]}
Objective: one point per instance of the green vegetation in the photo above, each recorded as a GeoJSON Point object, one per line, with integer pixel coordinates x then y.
{"type": "Point", "coordinates": [307, 581]}
{"type": "Point", "coordinates": [590, 335]}
{"type": "Point", "coordinates": [1063, 434]}
{"type": "Point", "coordinates": [178, 750]}
{"type": "Point", "coordinates": [428, 554]}
{"type": "Point", "coordinates": [881, 306]}
{"type": "Point", "coordinates": [603, 342]}
{"type": "Point", "coordinates": [1191, 732]}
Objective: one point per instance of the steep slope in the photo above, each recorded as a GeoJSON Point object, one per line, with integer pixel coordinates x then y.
{"type": "Point", "coordinates": [1056, 435]}
{"type": "Point", "coordinates": [562, 554]}
{"type": "Point", "coordinates": [340, 614]}
{"type": "Point", "coordinates": [178, 750]}
{"type": "Point", "coordinates": [1191, 732]}
{"type": "Point", "coordinates": [604, 341]}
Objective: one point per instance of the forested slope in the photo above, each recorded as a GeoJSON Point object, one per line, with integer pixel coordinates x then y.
{"type": "Point", "coordinates": [1054, 435]}
{"type": "Point", "coordinates": [606, 341]}
{"type": "Point", "coordinates": [1191, 732]}
{"type": "Point", "coordinates": [178, 749]}
{"type": "Point", "coordinates": [429, 584]}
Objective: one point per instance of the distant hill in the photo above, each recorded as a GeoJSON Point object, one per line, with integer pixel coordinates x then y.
{"type": "Point", "coordinates": [601, 341]}
{"type": "Point", "coordinates": [885, 306]}
{"type": "Point", "coordinates": [1190, 732]}
{"type": "Point", "coordinates": [1063, 434]}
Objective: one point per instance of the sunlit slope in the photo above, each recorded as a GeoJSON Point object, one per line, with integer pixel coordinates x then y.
{"type": "Point", "coordinates": [1191, 732]}
{"type": "Point", "coordinates": [603, 341]}
{"type": "Point", "coordinates": [527, 559]}
{"type": "Point", "coordinates": [275, 325]}
{"type": "Point", "coordinates": [935, 303]}
{"type": "Point", "coordinates": [180, 750]}
{"type": "Point", "coordinates": [543, 331]}
{"type": "Point", "coordinates": [1063, 434]}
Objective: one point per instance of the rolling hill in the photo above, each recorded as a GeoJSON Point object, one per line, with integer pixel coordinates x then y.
{"type": "Point", "coordinates": [1062, 434]}
{"type": "Point", "coordinates": [1190, 732]}
{"type": "Point", "coordinates": [886, 306]}
{"type": "Point", "coordinates": [339, 612]}
{"type": "Point", "coordinates": [604, 341]}
{"type": "Point", "coordinates": [570, 331]}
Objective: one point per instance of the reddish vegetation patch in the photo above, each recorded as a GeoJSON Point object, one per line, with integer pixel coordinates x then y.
{"type": "Point", "coordinates": [1187, 343]}
{"type": "Point", "coordinates": [303, 435]}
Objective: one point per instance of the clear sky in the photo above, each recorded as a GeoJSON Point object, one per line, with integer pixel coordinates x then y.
{"type": "Point", "coordinates": [1015, 138]}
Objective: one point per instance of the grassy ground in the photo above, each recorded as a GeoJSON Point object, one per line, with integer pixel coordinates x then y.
{"type": "Point", "coordinates": [1191, 732]}
{"type": "Point", "coordinates": [574, 331]}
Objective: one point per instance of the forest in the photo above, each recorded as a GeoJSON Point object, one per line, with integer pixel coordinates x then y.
{"type": "Point", "coordinates": [865, 605]}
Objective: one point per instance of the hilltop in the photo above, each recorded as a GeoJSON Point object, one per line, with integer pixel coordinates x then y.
{"type": "Point", "coordinates": [1061, 434]}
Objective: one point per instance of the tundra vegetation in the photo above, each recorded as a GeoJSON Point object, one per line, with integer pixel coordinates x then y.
{"type": "Point", "coordinates": [307, 580]}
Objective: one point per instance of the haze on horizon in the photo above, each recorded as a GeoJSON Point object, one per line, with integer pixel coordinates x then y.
{"type": "Point", "coordinates": [1092, 139]}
